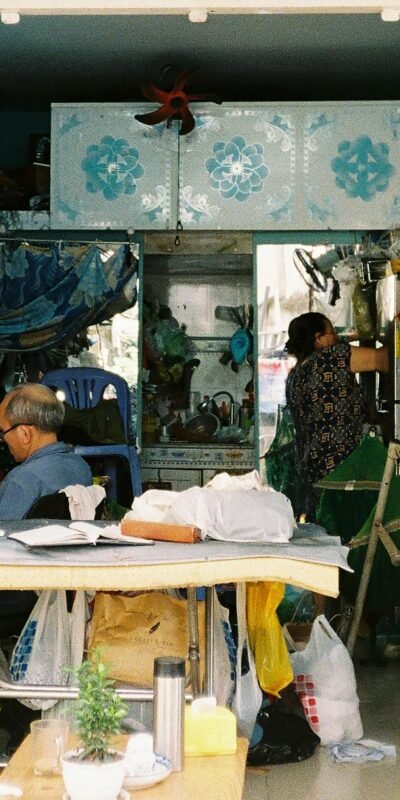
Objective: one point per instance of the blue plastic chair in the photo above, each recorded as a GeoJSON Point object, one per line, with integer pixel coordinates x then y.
{"type": "Point", "coordinates": [84, 387]}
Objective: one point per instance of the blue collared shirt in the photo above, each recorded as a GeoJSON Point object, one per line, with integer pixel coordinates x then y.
{"type": "Point", "coordinates": [48, 470]}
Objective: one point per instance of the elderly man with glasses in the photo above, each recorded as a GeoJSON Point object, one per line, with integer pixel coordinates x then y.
{"type": "Point", "coordinates": [31, 416]}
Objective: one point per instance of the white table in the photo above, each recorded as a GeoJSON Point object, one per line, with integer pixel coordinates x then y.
{"type": "Point", "coordinates": [309, 563]}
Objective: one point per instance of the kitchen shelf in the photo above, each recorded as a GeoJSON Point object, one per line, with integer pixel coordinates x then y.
{"type": "Point", "coordinates": [211, 344]}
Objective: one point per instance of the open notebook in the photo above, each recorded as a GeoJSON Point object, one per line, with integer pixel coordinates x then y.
{"type": "Point", "coordinates": [76, 532]}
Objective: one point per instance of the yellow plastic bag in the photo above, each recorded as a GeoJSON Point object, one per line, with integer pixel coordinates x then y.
{"type": "Point", "coordinates": [267, 642]}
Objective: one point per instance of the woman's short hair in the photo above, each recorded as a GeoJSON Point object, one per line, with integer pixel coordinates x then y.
{"type": "Point", "coordinates": [302, 332]}
{"type": "Point", "coordinates": [35, 404]}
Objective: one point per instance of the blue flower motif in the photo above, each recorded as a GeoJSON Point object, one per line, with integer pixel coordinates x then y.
{"type": "Point", "coordinates": [112, 167]}
{"type": "Point", "coordinates": [237, 169]}
{"type": "Point", "coordinates": [362, 168]}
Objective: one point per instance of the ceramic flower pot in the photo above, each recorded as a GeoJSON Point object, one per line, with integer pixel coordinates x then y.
{"type": "Point", "coordinates": [93, 780]}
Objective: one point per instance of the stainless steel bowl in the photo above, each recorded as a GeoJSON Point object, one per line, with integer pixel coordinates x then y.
{"type": "Point", "coordinates": [202, 426]}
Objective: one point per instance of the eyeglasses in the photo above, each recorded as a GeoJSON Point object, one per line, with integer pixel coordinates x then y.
{"type": "Point", "coordinates": [17, 424]}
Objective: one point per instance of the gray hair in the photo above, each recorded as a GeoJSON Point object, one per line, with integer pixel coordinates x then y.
{"type": "Point", "coordinates": [35, 404]}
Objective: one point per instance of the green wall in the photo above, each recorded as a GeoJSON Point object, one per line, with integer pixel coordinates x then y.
{"type": "Point", "coordinates": [16, 128]}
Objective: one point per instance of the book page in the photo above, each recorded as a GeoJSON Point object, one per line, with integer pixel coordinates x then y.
{"type": "Point", "coordinates": [54, 535]}
{"type": "Point", "coordinates": [78, 532]}
{"type": "Point", "coordinates": [112, 532]}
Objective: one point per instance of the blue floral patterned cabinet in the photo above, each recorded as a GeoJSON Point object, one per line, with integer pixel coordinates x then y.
{"type": "Point", "coordinates": [237, 168]}
{"type": "Point", "coordinates": [248, 166]}
{"type": "Point", "coordinates": [351, 165]}
{"type": "Point", "coordinates": [110, 171]}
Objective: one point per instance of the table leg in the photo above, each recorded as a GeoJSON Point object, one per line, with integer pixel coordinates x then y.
{"type": "Point", "coordinates": [209, 671]}
{"type": "Point", "coordinates": [194, 650]}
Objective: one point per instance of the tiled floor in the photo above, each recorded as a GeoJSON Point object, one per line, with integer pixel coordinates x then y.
{"type": "Point", "coordinates": [319, 778]}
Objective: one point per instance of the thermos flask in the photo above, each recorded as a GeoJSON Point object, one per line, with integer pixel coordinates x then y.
{"type": "Point", "coordinates": [169, 709]}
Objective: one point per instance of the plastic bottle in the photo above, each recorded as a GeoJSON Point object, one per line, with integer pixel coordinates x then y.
{"type": "Point", "coordinates": [224, 413]}
{"type": "Point", "coordinates": [169, 709]}
{"type": "Point", "coordinates": [164, 435]}
{"type": "Point", "coordinates": [244, 415]}
{"type": "Point", "coordinates": [150, 420]}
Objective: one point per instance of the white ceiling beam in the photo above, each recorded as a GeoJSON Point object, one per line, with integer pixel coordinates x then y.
{"type": "Point", "coordinates": [56, 7]}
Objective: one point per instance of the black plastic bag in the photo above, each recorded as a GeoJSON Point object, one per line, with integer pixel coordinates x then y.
{"type": "Point", "coordinates": [287, 735]}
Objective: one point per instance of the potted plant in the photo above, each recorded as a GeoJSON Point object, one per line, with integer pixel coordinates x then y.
{"type": "Point", "coordinates": [94, 770]}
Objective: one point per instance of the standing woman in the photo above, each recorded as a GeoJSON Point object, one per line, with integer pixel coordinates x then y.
{"type": "Point", "coordinates": [324, 397]}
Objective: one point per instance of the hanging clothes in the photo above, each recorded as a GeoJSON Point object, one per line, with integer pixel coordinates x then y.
{"type": "Point", "coordinates": [52, 292]}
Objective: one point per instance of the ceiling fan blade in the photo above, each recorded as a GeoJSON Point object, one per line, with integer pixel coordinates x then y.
{"type": "Point", "coordinates": [187, 121]}
{"type": "Point", "coordinates": [152, 92]}
{"type": "Point", "coordinates": [206, 98]}
{"type": "Point", "coordinates": [182, 79]}
{"type": "Point", "coordinates": [153, 117]}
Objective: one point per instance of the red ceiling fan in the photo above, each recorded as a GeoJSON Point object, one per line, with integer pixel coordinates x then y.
{"type": "Point", "coordinates": [174, 103]}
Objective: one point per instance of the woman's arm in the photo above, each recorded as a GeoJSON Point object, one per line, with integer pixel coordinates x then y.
{"type": "Point", "coordinates": [369, 359]}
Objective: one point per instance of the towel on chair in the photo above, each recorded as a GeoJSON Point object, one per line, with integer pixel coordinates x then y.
{"type": "Point", "coordinates": [83, 500]}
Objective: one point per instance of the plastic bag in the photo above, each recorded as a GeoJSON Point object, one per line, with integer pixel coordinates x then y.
{"type": "Point", "coordinates": [248, 696]}
{"type": "Point", "coordinates": [43, 649]}
{"type": "Point", "coordinates": [286, 734]}
{"type": "Point", "coordinates": [280, 462]}
{"type": "Point", "coordinates": [326, 684]}
{"type": "Point", "coordinates": [152, 505]}
{"type": "Point", "coordinates": [274, 670]}
{"type": "Point", "coordinates": [242, 515]}
{"type": "Point", "coordinates": [78, 618]}
{"type": "Point", "coordinates": [363, 299]}
{"type": "Point", "coordinates": [132, 631]}
{"type": "Point", "coordinates": [224, 654]}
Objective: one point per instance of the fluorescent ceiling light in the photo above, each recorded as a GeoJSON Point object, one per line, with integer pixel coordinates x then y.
{"type": "Point", "coordinates": [198, 15]}
{"type": "Point", "coordinates": [10, 17]}
{"type": "Point", "coordinates": [390, 14]}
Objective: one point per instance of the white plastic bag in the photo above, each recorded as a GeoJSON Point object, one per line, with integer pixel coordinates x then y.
{"type": "Point", "coordinates": [325, 682]}
{"type": "Point", "coordinates": [78, 618]}
{"type": "Point", "coordinates": [43, 649]}
{"type": "Point", "coordinates": [248, 695]}
{"type": "Point", "coordinates": [152, 505]}
{"type": "Point", "coordinates": [242, 515]}
{"type": "Point", "coordinates": [224, 654]}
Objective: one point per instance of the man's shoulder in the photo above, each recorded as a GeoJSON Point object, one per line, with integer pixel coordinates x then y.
{"type": "Point", "coordinates": [59, 461]}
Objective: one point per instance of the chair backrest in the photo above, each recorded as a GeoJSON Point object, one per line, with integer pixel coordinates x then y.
{"type": "Point", "coordinates": [84, 387]}
{"type": "Point", "coordinates": [50, 506]}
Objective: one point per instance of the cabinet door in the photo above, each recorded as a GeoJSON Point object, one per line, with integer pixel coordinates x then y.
{"type": "Point", "coordinates": [237, 168]}
{"type": "Point", "coordinates": [351, 160]}
{"type": "Point", "coordinates": [110, 171]}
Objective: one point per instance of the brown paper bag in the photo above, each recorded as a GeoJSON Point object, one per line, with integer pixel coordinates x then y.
{"type": "Point", "coordinates": [132, 631]}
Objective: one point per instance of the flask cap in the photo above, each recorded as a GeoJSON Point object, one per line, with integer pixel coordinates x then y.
{"type": "Point", "coordinates": [169, 667]}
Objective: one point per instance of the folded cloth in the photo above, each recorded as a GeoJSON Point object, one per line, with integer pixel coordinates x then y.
{"type": "Point", "coordinates": [361, 751]}
{"type": "Point", "coordinates": [83, 500]}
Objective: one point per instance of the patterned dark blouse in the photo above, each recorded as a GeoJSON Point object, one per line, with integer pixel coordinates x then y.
{"type": "Point", "coordinates": [326, 403]}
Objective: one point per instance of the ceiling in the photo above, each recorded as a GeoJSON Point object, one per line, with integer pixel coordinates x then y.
{"type": "Point", "coordinates": [248, 57]}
